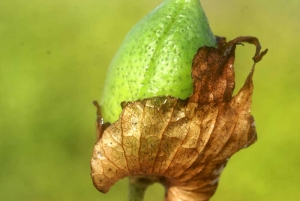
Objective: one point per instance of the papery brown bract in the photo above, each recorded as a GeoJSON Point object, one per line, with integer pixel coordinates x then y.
{"type": "Point", "coordinates": [184, 143]}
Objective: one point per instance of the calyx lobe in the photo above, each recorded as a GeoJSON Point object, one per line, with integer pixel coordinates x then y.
{"type": "Point", "coordinates": [185, 144]}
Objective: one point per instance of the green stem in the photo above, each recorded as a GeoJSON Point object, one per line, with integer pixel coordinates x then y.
{"type": "Point", "coordinates": [138, 186]}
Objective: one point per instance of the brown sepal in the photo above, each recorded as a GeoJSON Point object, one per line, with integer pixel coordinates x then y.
{"type": "Point", "coordinates": [184, 143]}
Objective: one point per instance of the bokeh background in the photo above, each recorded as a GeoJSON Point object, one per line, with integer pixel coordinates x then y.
{"type": "Point", "coordinates": [53, 58]}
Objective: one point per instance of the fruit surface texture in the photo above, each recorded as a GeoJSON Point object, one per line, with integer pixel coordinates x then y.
{"type": "Point", "coordinates": [155, 57]}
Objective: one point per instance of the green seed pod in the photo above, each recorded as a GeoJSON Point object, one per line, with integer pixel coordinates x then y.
{"type": "Point", "coordinates": [155, 57]}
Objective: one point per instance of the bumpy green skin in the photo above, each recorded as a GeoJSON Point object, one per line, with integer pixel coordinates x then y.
{"type": "Point", "coordinates": [156, 56]}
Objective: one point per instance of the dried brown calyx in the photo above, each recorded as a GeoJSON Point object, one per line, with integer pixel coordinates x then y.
{"type": "Point", "coordinates": [184, 144]}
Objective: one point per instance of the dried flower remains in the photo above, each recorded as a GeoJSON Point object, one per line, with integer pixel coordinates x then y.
{"type": "Point", "coordinates": [183, 144]}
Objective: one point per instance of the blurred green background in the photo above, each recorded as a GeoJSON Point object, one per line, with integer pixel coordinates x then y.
{"type": "Point", "coordinates": [53, 58]}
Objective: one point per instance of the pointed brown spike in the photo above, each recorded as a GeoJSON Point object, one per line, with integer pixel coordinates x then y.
{"type": "Point", "coordinates": [100, 125]}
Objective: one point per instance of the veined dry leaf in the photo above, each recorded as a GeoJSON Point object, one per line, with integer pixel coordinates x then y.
{"type": "Point", "coordinates": [185, 144]}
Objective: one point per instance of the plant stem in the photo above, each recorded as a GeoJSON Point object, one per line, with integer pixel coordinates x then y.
{"type": "Point", "coordinates": [138, 186]}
